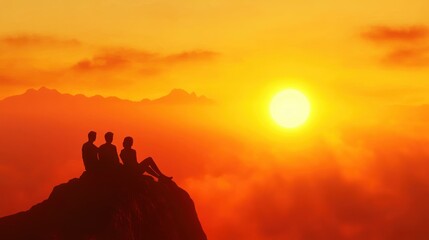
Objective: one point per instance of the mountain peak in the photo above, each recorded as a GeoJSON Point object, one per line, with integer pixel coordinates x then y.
{"type": "Point", "coordinates": [45, 89]}
{"type": "Point", "coordinates": [180, 96]}
{"type": "Point", "coordinates": [178, 91]}
{"type": "Point", "coordinates": [109, 207]}
{"type": "Point", "coordinates": [41, 90]}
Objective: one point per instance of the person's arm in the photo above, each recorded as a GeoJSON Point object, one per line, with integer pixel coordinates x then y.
{"type": "Point", "coordinates": [97, 155]}
{"type": "Point", "coordinates": [116, 156]}
{"type": "Point", "coordinates": [122, 157]}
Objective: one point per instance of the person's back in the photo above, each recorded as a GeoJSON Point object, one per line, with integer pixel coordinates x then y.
{"type": "Point", "coordinates": [107, 152]}
{"type": "Point", "coordinates": [129, 158]}
{"type": "Point", "coordinates": [89, 153]}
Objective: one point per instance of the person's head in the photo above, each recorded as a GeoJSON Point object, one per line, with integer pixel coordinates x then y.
{"type": "Point", "coordinates": [109, 137]}
{"type": "Point", "coordinates": [92, 136]}
{"type": "Point", "coordinates": [128, 142]}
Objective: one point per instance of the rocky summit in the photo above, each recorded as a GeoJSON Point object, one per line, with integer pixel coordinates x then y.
{"type": "Point", "coordinates": [109, 206]}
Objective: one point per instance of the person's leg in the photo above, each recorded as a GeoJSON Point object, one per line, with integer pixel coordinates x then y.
{"type": "Point", "coordinates": [144, 165]}
{"type": "Point", "coordinates": [151, 164]}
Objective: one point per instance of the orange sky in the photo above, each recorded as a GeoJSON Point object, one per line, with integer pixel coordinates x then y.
{"type": "Point", "coordinates": [355, 170]}
{"type": "Point", "coordinates": [226, 45]}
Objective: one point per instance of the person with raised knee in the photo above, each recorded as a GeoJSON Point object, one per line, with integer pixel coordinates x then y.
{"type": "Point", "coordinates": [129, 158]}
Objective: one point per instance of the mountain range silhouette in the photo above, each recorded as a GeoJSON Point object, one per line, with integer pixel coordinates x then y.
{"type": "Point", "coordinates": [175, 96]}
{"type": "Point", "coordinates": [108, 207]}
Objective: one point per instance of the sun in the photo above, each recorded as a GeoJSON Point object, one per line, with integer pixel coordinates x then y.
{"type": "Point", "coordinates": [290, 108]}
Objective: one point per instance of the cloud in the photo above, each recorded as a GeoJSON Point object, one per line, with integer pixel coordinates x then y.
{"type": "Point", "coordinates": [407, 57]}
{"type": "Point", "coordinates": [383, 196]}
{"type": "Point", "coordinates": [31, 60]}
{"type": "Point", "coordinates": [403, 46]}
{"type": "Point", "coordinates": [385, 34]}
{"type": "Point", "coordinates": [197, 55]}
{"type": "Point", "coordinates": [114, 59]}
{"type": "Point", "coordinates": [145, 62]}
{"type": "Point", "coordinates": [27, 40]}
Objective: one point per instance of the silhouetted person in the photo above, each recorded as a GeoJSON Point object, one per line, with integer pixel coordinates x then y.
{"type": "Point", "coordinates": [90, 153]}
{"type": "Point", "coordinates": [107, 153]}
{"type": "Point", "coordinates": [129, 158]}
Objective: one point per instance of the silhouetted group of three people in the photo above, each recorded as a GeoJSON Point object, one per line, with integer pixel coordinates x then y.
{"type": "Point", "coordinates": [105, 157]}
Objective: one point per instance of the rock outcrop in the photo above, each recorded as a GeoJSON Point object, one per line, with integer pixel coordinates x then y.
{"type": "Point", "coordinates": [109, 206]}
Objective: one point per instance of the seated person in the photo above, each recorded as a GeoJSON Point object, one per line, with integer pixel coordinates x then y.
{"type": "Point", "coordinates": [129, 158]}
{"type": "Point", "coordinates": [107, 153]}
{"type": "Point", "coordinates": [90, 153]}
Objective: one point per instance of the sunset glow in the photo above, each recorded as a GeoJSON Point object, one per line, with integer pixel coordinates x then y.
{"type": "Point", "coordinates": [295, 120]}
